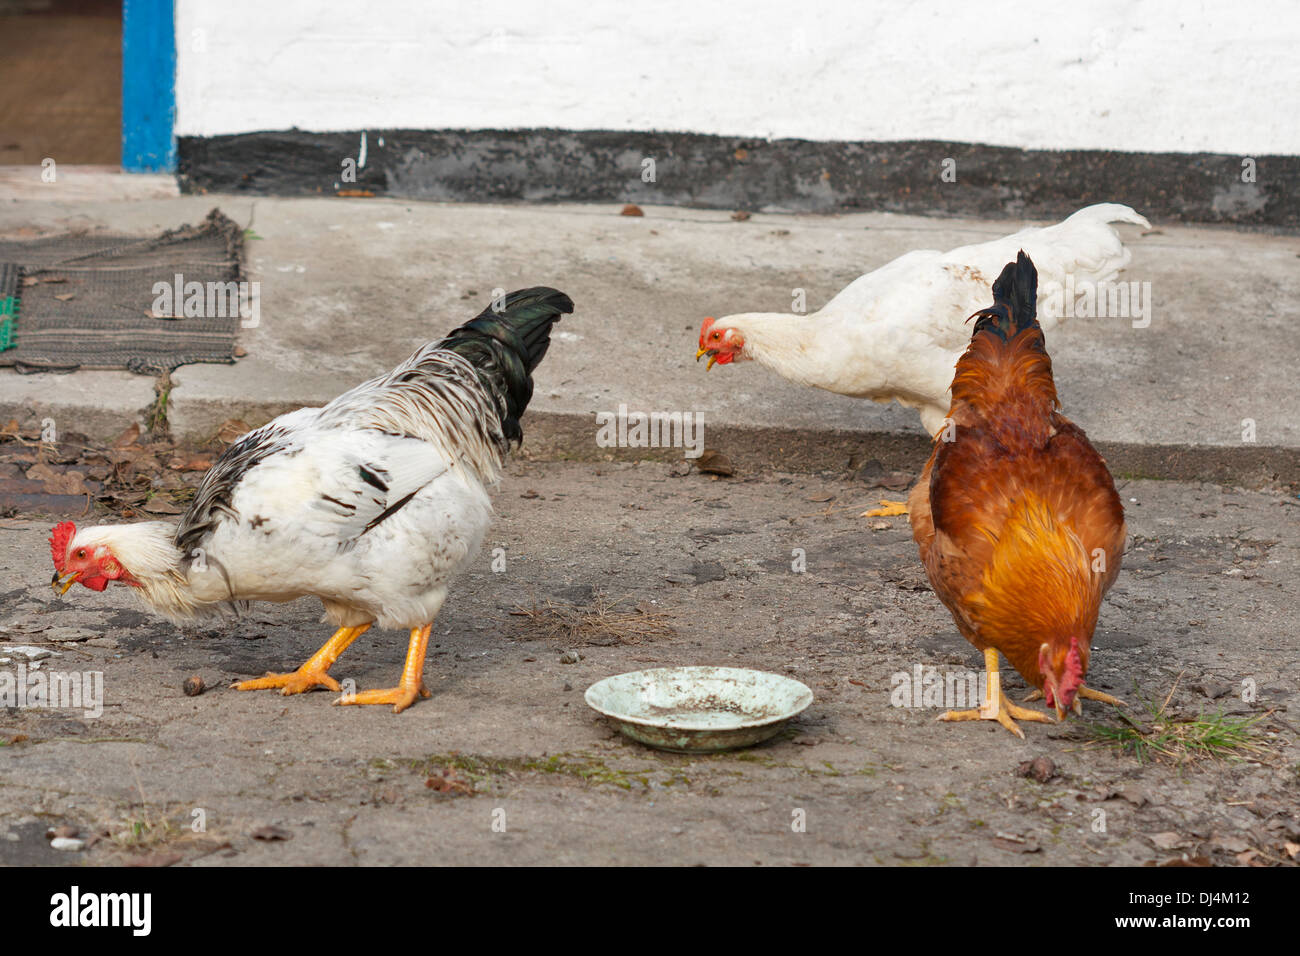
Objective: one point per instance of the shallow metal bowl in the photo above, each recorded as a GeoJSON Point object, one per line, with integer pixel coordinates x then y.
{"type": "Point", "coordinates": [699, 709]}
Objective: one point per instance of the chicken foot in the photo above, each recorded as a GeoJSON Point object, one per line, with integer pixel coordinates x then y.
{"type": "Point", "coordinates": [1085, 693]}
{"type": "Point", "coordinates": [314, 673]}
{"type": "Point", "coordinates": [887, 509]}
{"type": "Point", "coordinates": [996, 706]}
{"type": "Point", "coordinates": [412, 684]}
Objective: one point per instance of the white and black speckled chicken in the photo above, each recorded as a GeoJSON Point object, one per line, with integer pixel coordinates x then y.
{"type": "Point", "coordinates": [372, 503]}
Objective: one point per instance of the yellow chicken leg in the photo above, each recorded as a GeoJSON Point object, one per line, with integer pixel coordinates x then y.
{"type": "Point", "coordinates": [314, 673]}
{"type": "Point", "coordinates": [412, 686]}
{"type": "Point", "coordinates": [996, 706]}
{"type": "Point", "coordinates": [887, 509]}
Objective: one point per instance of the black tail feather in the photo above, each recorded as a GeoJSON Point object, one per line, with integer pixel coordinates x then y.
{"type": "Point", "coordinates": [505, 342]}
{"type": "Point", "coordinates": [1015, 301]}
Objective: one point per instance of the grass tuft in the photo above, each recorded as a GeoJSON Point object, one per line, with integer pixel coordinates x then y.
{"type": "Point", "coordinates": [1181, 740]}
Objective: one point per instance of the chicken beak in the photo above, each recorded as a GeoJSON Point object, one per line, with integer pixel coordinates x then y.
{"type": "Point", "coordinates": [61, 583]}
{"type": "Point", "coordinates": [711, 353]}
{"type": "Point", "coordinates": [1060, 713]}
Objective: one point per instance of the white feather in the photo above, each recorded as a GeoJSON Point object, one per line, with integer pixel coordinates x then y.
{"type": "Point", "coordinates": [372, 503]}
{"type": "Point", "coordinates": [895, 334]}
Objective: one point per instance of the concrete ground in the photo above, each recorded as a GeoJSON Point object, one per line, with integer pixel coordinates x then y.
{"type": "Point", "coordinates": [351, 287]}
{"type": "Point", "coordinates": [1204, 613]}
{"type": "Point", "coordinates": [1208, 600]}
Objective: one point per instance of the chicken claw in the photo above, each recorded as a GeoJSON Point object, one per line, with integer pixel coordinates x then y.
{"type": "Point", "coordinates": [297, 682]}
{"type": "Point", "coordinates": [888, 509]}
{"type": "Point", "coordinates": [401, 697]}
{"type": "Point", "coordinates": [1085, 693]}
{"type": "Point", "coordinates": [412, 686]}
{"type": "Point", "coordinates": [1089, 694]}
{"type": "Point", "coordinates": [996, 706]}
{"type": "Point", "coordinates": [314, 673]}
{"type": "Point", "coordinates": [1003, 714]}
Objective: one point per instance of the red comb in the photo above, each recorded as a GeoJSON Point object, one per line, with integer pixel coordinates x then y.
{"type": "Point", "coordinates": [60, 538]}
{"type": "Point", "coordinates": [704, 327]}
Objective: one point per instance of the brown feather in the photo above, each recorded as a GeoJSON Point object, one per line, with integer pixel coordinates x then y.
{"type": "Point", "coordinates": [1017, 519]}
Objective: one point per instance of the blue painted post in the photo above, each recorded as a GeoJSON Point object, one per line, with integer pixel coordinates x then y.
{"type": "Point", "coordinates": [148, 86]}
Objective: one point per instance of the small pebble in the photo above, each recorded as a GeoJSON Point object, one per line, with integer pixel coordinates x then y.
{"type": "Point", "coordinates": [67, 844]}
{"type": "Point", "coordinates": [570, 657]}
{"type": "Point", "coordinates": [1040, 768]}
{"type": "Point", "coordinates": [193, 686]}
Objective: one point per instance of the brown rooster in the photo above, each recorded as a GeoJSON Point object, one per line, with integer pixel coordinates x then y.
{"type": "Point", "coordinates": [1016, 516]}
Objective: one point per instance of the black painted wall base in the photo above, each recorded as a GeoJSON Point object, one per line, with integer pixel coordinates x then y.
{"type": "Point", "coordinates": [729, 173]}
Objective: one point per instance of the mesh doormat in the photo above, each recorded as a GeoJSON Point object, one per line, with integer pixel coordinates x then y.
{"type": "Point", "coordinates": [88, 300]}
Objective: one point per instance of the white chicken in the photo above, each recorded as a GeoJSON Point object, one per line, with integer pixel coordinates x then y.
{"type": "Point", "coordinates": [373, 503]}
{"type": "Point", "coordinates": [895, 334]}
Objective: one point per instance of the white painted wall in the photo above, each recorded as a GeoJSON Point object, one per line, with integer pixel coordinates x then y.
{"type": "Point", "coordinates": [1139, 75]}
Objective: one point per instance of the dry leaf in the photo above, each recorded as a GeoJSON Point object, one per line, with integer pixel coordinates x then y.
{"type": "Point", "coordinates": [740, 215]}
{"type": "Point", "coordinates": [66, 297]}
{"type": "Point", "coordinates": [232, 429]}
{"type": "Point", "coordinates": [631, 209]}
{"type": "Point", "coordinates": [1231, 844]}
{"type": "Point", "coordinates": [714, 462]}
{"type": "Point", "coordinates": [58, 483]}
{"type": "Point", "coordinates": [894, 481]}
{"type": "Point", "coordinates": [196, 463]}
{"type": "Point", "coordinates": [449, 782]}
{"type": "Point", "coordinates": [68, 483]}
{"type": "Point", "coordinates": [162, 506]}
{"type": "Point", "coordinates": [127, 437]}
